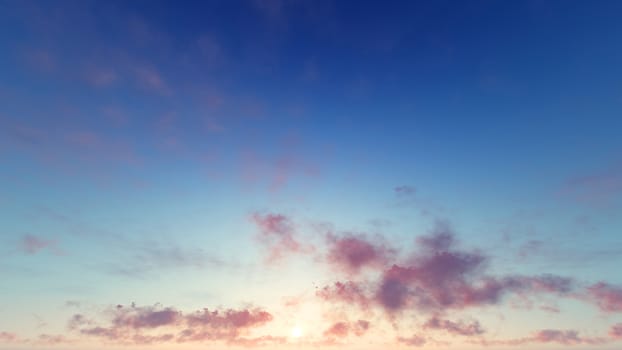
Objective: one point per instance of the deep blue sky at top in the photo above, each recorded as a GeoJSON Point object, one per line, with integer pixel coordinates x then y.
{"type": "Point", "coordinates": [472, 97]}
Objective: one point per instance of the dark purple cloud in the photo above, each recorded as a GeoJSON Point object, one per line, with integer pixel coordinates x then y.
{"type": "Point", "coordinates": [145, 317]}
{"type": "Point", "coordinates": [456, 328]}
{"type": "Point", "coordinates": [440, 276]}
{"type": "Point", "coordinates": [351, 253]}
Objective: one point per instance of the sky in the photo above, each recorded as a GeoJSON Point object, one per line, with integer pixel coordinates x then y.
{"type": "Point", "coordinates": [310, 174]}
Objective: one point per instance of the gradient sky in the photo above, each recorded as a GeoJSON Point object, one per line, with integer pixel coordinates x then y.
{"type": "Point", "coordinates": [310, 174]}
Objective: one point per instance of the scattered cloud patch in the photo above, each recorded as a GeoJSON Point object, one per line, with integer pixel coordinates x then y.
{"type": "Point", "coordinates": [158, 324]}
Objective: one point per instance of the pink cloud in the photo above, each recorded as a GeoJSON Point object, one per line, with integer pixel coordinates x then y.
{"type": "Point", "coordinates": [30, 244]}
{"type": "Point", "coordinates": [607, 297]}
{"type": "Point", "coordinates": [339, 329]}
{"type": "Point", "coordinates": [277, 232]}
{"type": "Point", "coordinates": [616, 331]}
{"type": "Point", "coordinates": [565, 337]}
{"type": "Point", "coordinates": [233, 319]}
{"type": "Point", "coordinates": [343, 329]}
{"type": "Point", "coordinates": [414, 340]}
{"type": "Point", "coordinates": [8, 337]}
{"type": "Point", "coordinates": [556, 336]}
{"type": "Point", "coordinates": [351, 253]}
{"type": "Point", "coordinates": [260, 341]}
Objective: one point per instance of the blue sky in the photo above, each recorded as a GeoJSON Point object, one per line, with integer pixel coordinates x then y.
{"type": "Point", "coordinates": [251, 157]}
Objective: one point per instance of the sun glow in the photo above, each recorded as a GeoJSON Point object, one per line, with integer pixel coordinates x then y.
{"type": "Point", "coordinates": [296, 332]}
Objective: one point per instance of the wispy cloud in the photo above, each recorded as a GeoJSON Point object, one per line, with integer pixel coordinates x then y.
{"type": "Point", "coordinates": [458, 328]}
{"type": "Point", "coordinates": [278, 233]}
{"type": "Point", "coordinates": [151, 257]}
{"type": "Point", "coordinates": [600, 188]}
{"type": "Point", "coordinates": [343, 329]}
{"type": "Point", "coordinates": [546, 336]}
{"type": "Point", "coordinates": [31, 244]}
{"type": "Point", "coordinates": [607, 297]}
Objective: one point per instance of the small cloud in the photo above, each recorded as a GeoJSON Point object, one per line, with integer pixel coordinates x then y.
{"type": "Point", "coordinates": [414, 340]}
{"type": "Point", "coordinates": [31, 244]}
{"type": "Point", "coordinates": [456, 328]}
{"type": "Point", "coordinates": [405, 190]}
{"type": "Point", "coordinates": [153, 257]}
{"type": "Point", "coordinates": [343, 329]}
{"type": "Point", "coordinates": [278, 233]}
{"type": "Point", "coordinates": [8, 337]}
{"type": "Point", "coordinates": [600, 188]}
